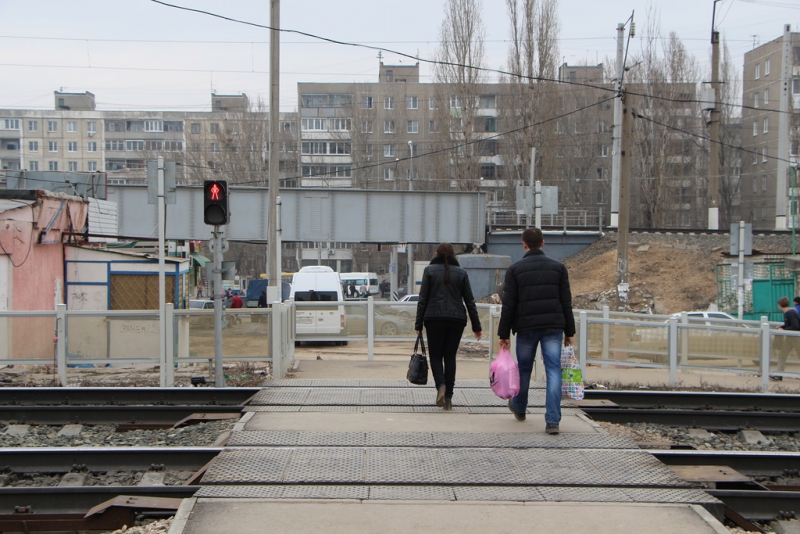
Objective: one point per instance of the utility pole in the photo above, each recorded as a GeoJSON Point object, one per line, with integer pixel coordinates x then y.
{"type": "Point", "coordinates": [531, 188]}
{"type": "Point", "coordinates": [273, 251]}
{"type": "Point", "coordinates": [409, 246]}
{"type": "Point", "coordinates": [713, 164]}
{"type": "Point", "coordinates": [783, 130]}
{"type": "Point", "coordinates": [616, 132]}
{"type": "Point", "coordinates": [162, 291]}
{"type": "Point", "coordinates": [624, 203]}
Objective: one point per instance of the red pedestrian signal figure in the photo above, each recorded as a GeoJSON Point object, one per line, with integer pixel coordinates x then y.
{"type": "Point", "coordinates": [215, 202]}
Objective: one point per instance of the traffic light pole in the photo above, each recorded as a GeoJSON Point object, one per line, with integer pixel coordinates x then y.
{"type": "Point", "coordinates": [218, 247]}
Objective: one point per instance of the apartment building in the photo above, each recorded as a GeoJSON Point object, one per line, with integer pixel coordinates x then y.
{"type": "Point", "coordinates": [400, 134]}
{"type": "Point", "coordinates": [229, 140]}
{"type": "Point", "coordinates": [768, 152]}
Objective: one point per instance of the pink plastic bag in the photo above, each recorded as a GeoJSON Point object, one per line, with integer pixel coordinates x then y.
{"type": "Point", "coordinates": [504, 376]}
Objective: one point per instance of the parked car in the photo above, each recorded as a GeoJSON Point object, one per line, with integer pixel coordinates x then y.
{"type": "Point", "coordinates": [405, 307]}
{"type": "Point", "coordinates": [385, 324]}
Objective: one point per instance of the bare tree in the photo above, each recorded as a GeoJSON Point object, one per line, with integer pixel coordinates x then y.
{"type": "Point", "coordinates": [668, 189]}
{"type": "Point", "coordinates": [730, 137]}
{"type": "Point", "coordinates": [458, 77]}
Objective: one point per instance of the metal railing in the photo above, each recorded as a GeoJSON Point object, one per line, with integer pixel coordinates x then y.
{"type": "Point", "coordinates": [110, 338]}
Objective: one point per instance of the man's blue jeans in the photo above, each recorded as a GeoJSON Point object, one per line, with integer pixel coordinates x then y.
{"type": "Point", "coordinates": [551, 341]}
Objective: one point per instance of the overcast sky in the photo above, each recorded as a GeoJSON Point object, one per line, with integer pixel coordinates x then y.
{"type": "Point", "coordinates": [140, 55]}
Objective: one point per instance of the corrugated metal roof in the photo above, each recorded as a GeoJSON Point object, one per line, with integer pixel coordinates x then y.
{"type": "Point", "coordinates": [102, 221]}
{"type": "Point", "coordinates": [11, 204]}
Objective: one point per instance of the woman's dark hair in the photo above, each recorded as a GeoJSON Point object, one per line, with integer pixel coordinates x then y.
{"type": "Point", "coordinates": [445, 250]}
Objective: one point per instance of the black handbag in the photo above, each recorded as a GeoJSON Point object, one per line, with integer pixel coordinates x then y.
{"type": "Point", "coordinates": [418, 366]}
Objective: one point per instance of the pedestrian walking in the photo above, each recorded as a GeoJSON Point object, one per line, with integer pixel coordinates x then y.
{"type": "Point", "coordinates": [443, 295]}
{"type": "Point", "coordinates": [786, 344]}
{"type": "Point", "coordinates": [537, 307]}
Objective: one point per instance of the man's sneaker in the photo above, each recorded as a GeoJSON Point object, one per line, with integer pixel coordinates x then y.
{"type": "Point", "coordinates": [448, 404]}
{"type": "Point", "coordinates": [551, 429]}
{"type": "Point", "coordinates": [440, 396]}
{"type": "Point", "coordinates": [517, 415]}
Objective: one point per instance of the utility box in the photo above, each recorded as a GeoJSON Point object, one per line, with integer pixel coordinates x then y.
{"type": "Point", "coordinates": [486, 273]}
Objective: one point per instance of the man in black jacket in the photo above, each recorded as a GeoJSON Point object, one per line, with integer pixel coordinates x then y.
{"type": "Point", "coordinates": [786, 344]}
{"type": "Point", "coordinates": [537, 307]}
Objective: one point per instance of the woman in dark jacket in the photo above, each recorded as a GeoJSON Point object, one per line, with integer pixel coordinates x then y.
{"type": "Point", "coordinates": [444, 293]}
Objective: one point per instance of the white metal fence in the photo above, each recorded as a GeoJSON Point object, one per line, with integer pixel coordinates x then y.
{"type": "Point", "coordinates": [119, 338]}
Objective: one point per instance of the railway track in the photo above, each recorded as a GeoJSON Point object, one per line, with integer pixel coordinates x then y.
{"type": "Point", "coordinates": [722, 412]}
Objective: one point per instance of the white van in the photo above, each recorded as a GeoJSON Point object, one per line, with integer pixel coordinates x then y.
{"type": "Point", "coordinates": [318, 284]}
{"type": "Point", "coordinates": [368, 280]}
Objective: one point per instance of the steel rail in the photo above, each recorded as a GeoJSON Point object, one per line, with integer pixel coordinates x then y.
{"type": "Point", "coordinates": [758, 505]}
{"type": "Point", "coordinates": [62, 459]}
{"type": "Point", "coordinates": [697, 400]}
{"type": "Point", "coordinates": [61, 415]}
{"type": "Point", "coordinates": [13, 396]}
{"type": "Point", "coordinates": [718, 420]}
{"type": "Point", "coordinates": [750, 463]}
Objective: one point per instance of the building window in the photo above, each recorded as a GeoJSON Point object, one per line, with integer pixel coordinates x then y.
{"type": "Point", "coordinates": [431, 103]}
{"type": "Point", "coordinates": [52, 126]}
{"type": "Point", "coordinates": [52, 165]}
{"type": "Point", "coordinates": [72, 126]}
{"type": "Point", "coordinates": [755, 99]}
{"type": "Point", "coordinates": [312, 148]}
{"type": "Point", "coordinates": [601, 126]}
{"type": "Point", "coordinates": [33, 165]}
{"type": "Point", "coordinates": [366, 102]}
{"type": "Point", "coordinates": [432, 126]}
{"type": "Point", "coordinates": [758, 71]}
{"type": "Point", "coordinates": [72, 146]}
{"type": "Point", "coordinates": [794, 147]}
{"type": "Point", "coordinates": [115, 144]}
{"type": "Point", "coordinates": [388, 102]}
{"type": "Point", "coordinates": [755, 185]}
{"type": "Point", "coordinates": [414, 151]}
{"type": "Point", "coordinates": [766, 124]}
{"type": "Point", "coordinates": [91, 146]}
{"type": "Point", "coordinates": [153, 126]}
{"type": "Point", "coordinates": [389, 75]}
{"type": "Point", "coordinates": [602, 174]}
{"type": "Point", "coordinates": [340, 125]}
{"type": "Point", "coordinates": [309, 125]}
{"type": "Point", "coordinates": [52, 146]}
{"type": "Point", "coordinates": [214, 147]}
{"type": "Point", "coordinates": [763, 183]}
{"type": "Point", "coordinates": [214, 127]}
{"type": "Point", "coordinates": [488, 102]}
{"type": "Point", "coordinates": [73, 166]}
{"type": "Point", "coordinates": [33, 126]}
{"type": "Point", "coordinates": [411, 102]}
{"type": "Point", "coordinates": [368, 151]}
{"type": "Point", "coordinates": [764, 155]}
{"type": "Point", "coordinates": [487, 124]}
{"type": "Point", "coordinates": [796, 86]}
{"type": "Point", "coordinates": [766, 67]}
{"type": "Point", "coordinates": [33, 146]}
{"type": "Point", "coordinates": [134, 146]}
{"type": "Point", "coordinates": [766, 96]}
{"type": "Point", "coordinates": [91, 166]}
{"type": "Point", "coordinates": [388, 151]}
{"type": "Point", "coordinates": [388, 127]}
{"type": "Point", "coordinates": [366, 127]}
{"type": "Point", "coordinates": [412, 127]}
{"type": "Point", "coordinates": [388, 174]}
{"type": "Point", "coordinates": [194, 128]}
{"type": "Point", "coordinates": [755, 128]}
{"type": "Point", "coordinates": [455, 102]}
{"type": "Point", "coordinates": [91, 127]}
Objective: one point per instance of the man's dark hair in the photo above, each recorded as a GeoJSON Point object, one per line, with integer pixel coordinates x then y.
{"type": "Point", "coordinates": [797, 300]}
{"type": "Point", "coordinates": [783, 302]}
{"type": "Point", "coordinates": [533, 238]}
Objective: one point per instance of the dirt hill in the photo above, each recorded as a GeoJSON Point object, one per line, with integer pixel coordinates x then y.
{"type": "Point", "coordinates": [668, 273]}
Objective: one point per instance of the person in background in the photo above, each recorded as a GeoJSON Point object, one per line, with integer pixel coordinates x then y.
{"type": "Point", "coordinates": [236, 301]}
{"type": "Point", "coordinates": [797, 304]}
{"type": "Point", "coordinates": [353, 292]}
{"type": "Point", "coordinates": [786, 344]}
{"type": "Point", "coordinates": [262, 300]}
{"type": "Point", "coordinates": [444, 293]}
{"type": "Point", "coordinates": [537, 306]}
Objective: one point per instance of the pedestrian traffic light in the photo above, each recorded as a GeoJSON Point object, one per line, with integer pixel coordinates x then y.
{"type": "Point", "coordinates": [215, 202]}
